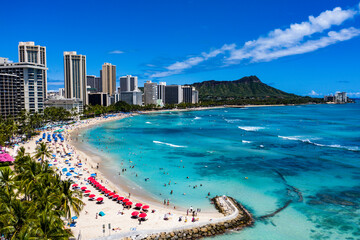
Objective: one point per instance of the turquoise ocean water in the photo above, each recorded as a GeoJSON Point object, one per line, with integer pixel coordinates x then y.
{"type": "Point", "coordinates": [265, 157]}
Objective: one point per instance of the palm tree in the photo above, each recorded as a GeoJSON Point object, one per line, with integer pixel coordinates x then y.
{"type": "Point", "coordinates": [21, 152]}
{"type": "Point", "coordinates": [51, 227]}
{"type": "Point", "coordinates": [6, 178]}
{"type": "Point", "coordinates": [16, 218]}
{"type": "Point", "coordinates": [29, 177]}
{"type": "Point", "coordinates": [42, 151]}
{"type": "Point", "coordinates": [69, 200]}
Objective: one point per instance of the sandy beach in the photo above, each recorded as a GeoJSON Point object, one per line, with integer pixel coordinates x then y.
{"type": "Point", "coordinates": [90, 224]}
{"type": "Point", "coordinates": [117, 219]}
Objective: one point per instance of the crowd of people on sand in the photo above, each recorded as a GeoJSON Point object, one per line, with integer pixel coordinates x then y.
{"type": "Point", "coordinates": [78, 169]}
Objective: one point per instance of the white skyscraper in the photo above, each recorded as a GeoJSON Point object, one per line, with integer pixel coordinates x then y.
{"type": "Point", "coordinates": [31, 72]}
{"type": "Point", "coordinates": [31, 53]}
{"type": "Point", "coordinates": [128, 83]}
{"type": "Point", "coordinates": [150, 93]}
{"type": "Point", "coordinates": [75, 76]}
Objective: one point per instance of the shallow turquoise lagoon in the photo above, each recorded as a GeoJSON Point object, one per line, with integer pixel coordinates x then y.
{"type": "Point", "coordinates": [263, 156]}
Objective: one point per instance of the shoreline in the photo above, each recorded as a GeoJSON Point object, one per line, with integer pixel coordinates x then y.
{"type": "Point", "coordinates": [83, 221]}
{"type": "Point", "coordinates": [89, 226]}
{"type": "Point", "coordinates": [94, 157]}
{"type": "Point", "coordinates": [127, 185]}
{"type": "Point", "coordinates": [89, 223]}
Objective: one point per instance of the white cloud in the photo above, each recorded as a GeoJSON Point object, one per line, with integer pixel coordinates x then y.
{"type": "Point", "coordinates": [298, 38]}
{"type": "Point", "coordinates": [178, 67]}
{"type": "Point", "coordinates": [313, 93]}
{"type": "Point", "coordinates": [308, 46]}
{"type": "Point", "coordinates": [278, 40]}
{"type": "Point", "coordinates": [116, 52]}
{"type": "Point", "coordinates": [354, 94]}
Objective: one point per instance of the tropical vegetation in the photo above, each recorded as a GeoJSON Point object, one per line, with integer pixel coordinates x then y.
{"type": "Point", "coordinates": [26, 124]}
{"type": "Point", "coordinates": [34, 201]}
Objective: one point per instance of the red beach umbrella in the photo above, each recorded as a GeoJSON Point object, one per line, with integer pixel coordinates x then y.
{"type": "Point", "coordinates": [143, 215]}
{"type": "Point", "coordinates": [91, 195]}
{"type": "Point", "coordinates": [111, 194]}
{"type": "Point", "coordinates": [128, 203]}
{"type": "Point", "coordinates": [115, 196]}
{"type": "Point", "coordinates": [99, 199]}
{"type": "Point", "coordinates": [83, 188]}
{"type": "Point", "coordinates": [138, 205]}
{"type": "Point", "coordinates": [125, 200]}
{"type": "Point", "coordinates": [135, 213]}
{"type": "Point", "coordinates": [120, 198]}
{"type": "Point", "coordinates": [107, 191]}
{"type": "Point", "coordinates": [145, 207]}
{"type": "Point", "coordinates": [87, 191]}
{"type": "Point", "coordinates": [90, 178]}
{"type": "Point", "coordinates": [75, 185]}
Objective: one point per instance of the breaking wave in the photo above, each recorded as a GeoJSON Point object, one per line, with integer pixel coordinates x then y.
{"type": "Point", "coordinates": [169, 144]}
{"type": "Point", "coordinates": [251, 129]}
{"type": "Point", "coordinates": [295, 138]}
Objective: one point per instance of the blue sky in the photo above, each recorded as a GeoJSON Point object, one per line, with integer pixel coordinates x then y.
{"type": "Point", "coordinates": [304, 47]}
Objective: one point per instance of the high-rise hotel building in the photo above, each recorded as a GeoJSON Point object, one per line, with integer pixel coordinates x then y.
{"type": "Point", "coordinates": [75, 76]}
{"type": "Point", "coordinates": [128, 83]}
{"type": "Point", "coordinates": [129, 90]}
{"type": "Point", "coordinates": [31, 80]}
{"type": "Point", "coordinates": [108, 78]}
{"type": "Point", "coordinates": [150, 93]}
{"type": "Point", "coordinates": [10, 99]}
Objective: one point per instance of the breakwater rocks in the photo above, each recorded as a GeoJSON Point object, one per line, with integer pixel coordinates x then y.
{"type": "Point", "coordinates": [236, 218]}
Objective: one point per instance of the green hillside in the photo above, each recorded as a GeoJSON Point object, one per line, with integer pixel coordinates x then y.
{"type": "Point", "coordinates": [246, 87]}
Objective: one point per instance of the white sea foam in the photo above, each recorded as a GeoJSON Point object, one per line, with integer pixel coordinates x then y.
{"type": "Point", "coordinates": [197, 118]}
{"type": "Point", "coordinates": [232, 120]}
{"type": "Point", "coordinates": [251, 129]}
{"type": "Point", "coordinates": [244, 141]}
{"type": "Point", "coordinates": [148, 122]}
{"type": "Point", "coordinates": [169, 144]}
{"type": "Point", "coordinates": [307, 140]}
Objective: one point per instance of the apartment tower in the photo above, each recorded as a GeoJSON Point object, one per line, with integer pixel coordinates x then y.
{"type": "Point", "coordinates": [150, 93]}
{"type": "Point", "coordinates": [75, 76]}
{"type": "Point", "coordinates": [31, 53]}
{"type": "Point", "coordinates": [108, 78]}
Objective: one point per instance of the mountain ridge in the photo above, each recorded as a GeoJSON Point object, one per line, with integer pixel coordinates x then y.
{"type": "Point", "coordinates": [245, 87]}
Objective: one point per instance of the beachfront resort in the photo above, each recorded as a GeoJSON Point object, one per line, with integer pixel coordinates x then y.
{"type": "Point", "coordinates": [179, 120]}
{"type": "Point", "coordinates": [99, 208]}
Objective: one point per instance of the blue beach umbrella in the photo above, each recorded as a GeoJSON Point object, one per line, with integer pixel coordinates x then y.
{"type": "Point", "coordinates": [68, 174]}
{"type": "Point", "coordinates": [64, 170]}
{"type": "Point", "coordinates": [54, 155]}
{"type": "Point", "coordinates": [74, 217]}
{"type": "Point", "coordinates": [93, 175]}
{"type": "Point", "coordinates": [72, 169]}
{"type": "Point", "coordinates": [80, 164]}
{"type": "Point", "coordinates": [50, 164]}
